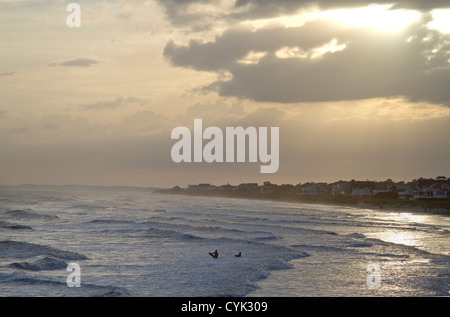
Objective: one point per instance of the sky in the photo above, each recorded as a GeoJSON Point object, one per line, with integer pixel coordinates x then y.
{"type": "Point", "coordinates": [359, 90]}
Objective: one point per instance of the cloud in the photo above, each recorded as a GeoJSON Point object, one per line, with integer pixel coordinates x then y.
{"type": "Point", "coordinates": [145, 121]}
{"type": "Point", "coordinates": [51, 126]}
{"type": "Point", "coordinates": [78, 62]}
{"type": "Point", "coordinates": [63, 126]}
{"type": "Point", "coordinates": [116, 103]}
{"type": "Point", "coordinates": [183, 12]}
{"type": "Point", "coordinates": [4, 74]}
{"type": "Point", "coordinates": [363, 63]}
{"type": "Point", "coordinates": [16, 130]}
{"type": "Point", "coordinates": [197, 12]}
{"type": "Point", "coordinates": [268, 8]}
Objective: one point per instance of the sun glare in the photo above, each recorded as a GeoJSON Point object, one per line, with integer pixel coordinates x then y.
{"type": "Point", "coordinates": [375, 16]}
{"type": "Point", "coordinates": [441, 20]}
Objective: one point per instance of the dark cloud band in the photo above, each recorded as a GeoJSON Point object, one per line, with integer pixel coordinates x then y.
{"type": "Point", "coordinates": [412, 63]}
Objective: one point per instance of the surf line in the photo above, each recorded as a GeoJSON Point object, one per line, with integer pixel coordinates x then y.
{"type": "Point", "coordinates": [214, 150]}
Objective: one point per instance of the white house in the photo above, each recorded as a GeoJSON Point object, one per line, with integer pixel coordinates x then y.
{"type": "Point", "coordinates": [361, 191]}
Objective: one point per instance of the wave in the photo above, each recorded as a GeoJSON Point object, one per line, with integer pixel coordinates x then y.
{"type": "Point", "coordinates": [16, 249]}
{"type": "Point", "coordinates": [20, 282]}
{"type": "Point", "coordinates": [408, 249]}
{"type": "Point", "coordinates": [170, 234]}
{"type": "Point", "coordinates": [210, 234]}
{"type": "Point", "coordinates": [319, 248]}
{"type": "Point", "coordinates": [13, 226]}
{"type": "Point", "coordinates": [266, 238]}
{"type": "Point", "coordinates": [361, 245]}
{"type": "Point", "coordinates": [28, 214]}
{"type": "Point", "coordinates": [40, 263]}
{"type": "Point", "coordinates": [88, 207]}
{"type": "Point", "coordinates": [110, 221]}
{"type": "Point", "coordinates": [392, 249]}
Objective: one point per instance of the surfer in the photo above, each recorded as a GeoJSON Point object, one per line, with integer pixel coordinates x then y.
{"type": "Point", "coordinates": [238, 255]}
{"type": "Point", "coordinates": [215, 254]}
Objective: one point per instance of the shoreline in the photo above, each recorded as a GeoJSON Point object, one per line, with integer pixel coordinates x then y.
{"type": "Point", "coordinates": [425, 207]}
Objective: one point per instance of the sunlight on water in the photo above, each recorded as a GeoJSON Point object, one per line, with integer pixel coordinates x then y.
{"type": "Point", "coordinates": [410, 236]}
{"type": "Point", "coordinates": [423, 231]}
{"type": "Point", "coordinates": [407, 217]}
{"type": "Point", "coordinates": [406, 238]}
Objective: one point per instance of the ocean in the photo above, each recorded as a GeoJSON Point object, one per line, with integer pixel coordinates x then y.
{"type": "Point", "coordinates": [132, 242]}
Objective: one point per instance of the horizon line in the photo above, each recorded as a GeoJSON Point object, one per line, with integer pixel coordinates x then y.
{"type": "Point", "coordinates": [162, 187]}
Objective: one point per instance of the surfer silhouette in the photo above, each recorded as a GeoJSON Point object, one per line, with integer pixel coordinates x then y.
{"type": "Point", "coordinates": [238, 255]}
{"type": "Point", "coordinates": [215, 254]}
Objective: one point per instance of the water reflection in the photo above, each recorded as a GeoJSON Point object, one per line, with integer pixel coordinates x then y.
{"type": "Point", "coordinates": [425, 232]}
{"type": "Point", "coordinates": [407, 217]}
{"type": "Point", "coordinates": [409, 238]}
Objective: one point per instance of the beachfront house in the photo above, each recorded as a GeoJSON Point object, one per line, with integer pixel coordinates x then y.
{"type": "Point", "coordinates": [340, 188]}
{"type": "Point", "coordinates": [225, 188]}
{"type": "Point", "coordinates": [362, 188]}
{"type": "Point", "coordinates": [314, 189]}
{"type": "Point", "coordinates": [247, 188]}
{"type": "Point", "coordinates": [267, 188]}
{"type": "Point", "coordinates": [404, 192]}
{"type": "Point", "coordinates": [438, 190]}
{"type": "Point", "coordinates": [201, 188]}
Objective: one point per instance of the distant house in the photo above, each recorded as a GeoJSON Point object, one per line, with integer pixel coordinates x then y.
{"type": "Point", "coordinates": [361, 191]}
{"type": "Point", "coordinates": [192, 188]}
{"type": "Point", "coordinates": [288, 188]}
{"type": "Point", "coordinates": [423, 183]}
{"type": "Point", "coordinates": [341, 188]}
{"type": "Point", "coordinates": [362, 188]}
{"type": "Point", "coordinates": [247, 188]}
{"type": "Point", "coordinates": [380, 191]}
{"type": "Point", "coordinates": [267, 188]}
{"type": "Point", "coordinates": [200, 188]}
{"type": "Point", "coordinates": [225, 188]}
{"type": "Point", "coordinates": [404, 192]}
{"type": "Point", "coordinates": [314, 189]}
{"type": "Point", "coordinates": [438, 190]}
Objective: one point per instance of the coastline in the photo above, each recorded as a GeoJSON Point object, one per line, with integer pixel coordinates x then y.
{"type": "Point", "coordinates": [426, 207]}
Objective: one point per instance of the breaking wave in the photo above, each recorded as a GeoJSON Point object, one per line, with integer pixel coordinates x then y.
{"type": "Point", "coordinates": [28, 214]}
{"type": "Point", "coordinates": [40, 263]}
{"type": "Point", "coordinates": [16, 249]}
{"type": "Point", "coordinates": [28, 285]}
{"type": "Point", "coordinates": [13, 226]}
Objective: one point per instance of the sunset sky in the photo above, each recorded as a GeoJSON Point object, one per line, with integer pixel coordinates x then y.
{"type": "Point", "coordinates": [358, 90]}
